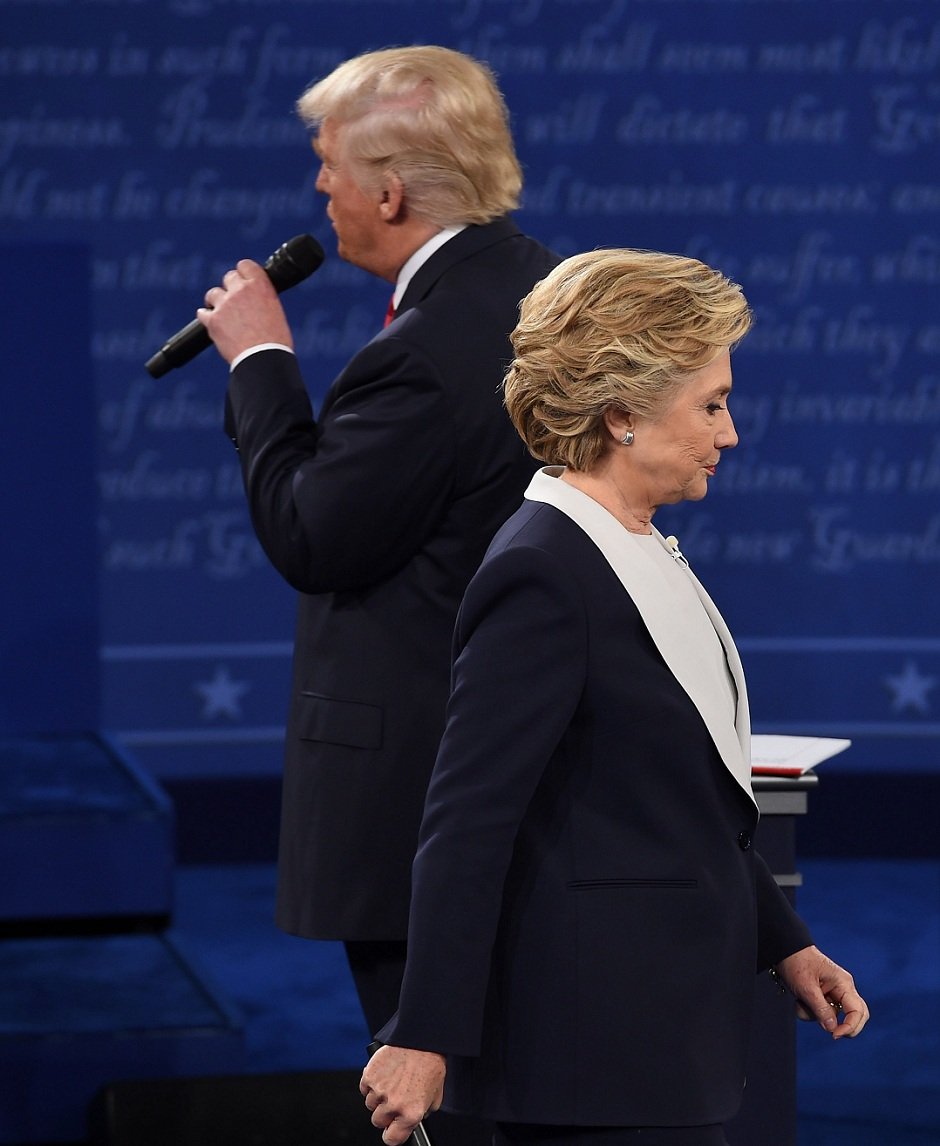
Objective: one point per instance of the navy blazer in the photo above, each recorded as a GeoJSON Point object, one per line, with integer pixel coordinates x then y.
{"type": "Point", "coordinates": [378, 512]}
{"type": "Point", "coordinates": [588, 913]}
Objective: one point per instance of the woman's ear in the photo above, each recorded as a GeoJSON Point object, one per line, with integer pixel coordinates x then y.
{"type": "Point", "coordinates": [619, 424]}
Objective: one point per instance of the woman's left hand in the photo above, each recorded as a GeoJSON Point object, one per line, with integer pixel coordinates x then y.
{"type": "Point", "coordinates": [823, 990]}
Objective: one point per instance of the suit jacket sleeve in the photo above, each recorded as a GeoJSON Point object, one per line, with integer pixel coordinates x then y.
{"type": "Point", "coordinates": [511, 702]}
{"type": "Point", "coordinates": [780, 931]}
{"type": "Point", "coordinates": [343, 502]}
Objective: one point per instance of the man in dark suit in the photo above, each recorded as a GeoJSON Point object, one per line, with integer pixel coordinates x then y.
{"type": "Point", "coordinates": [379, 511]}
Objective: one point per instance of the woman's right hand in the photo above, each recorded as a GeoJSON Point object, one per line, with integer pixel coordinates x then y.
{"type": "Point", "coordinates": [400, 1087]}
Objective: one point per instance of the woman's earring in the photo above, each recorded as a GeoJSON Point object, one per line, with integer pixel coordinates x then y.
{"type": "Point", "coordinates": [627, 439]}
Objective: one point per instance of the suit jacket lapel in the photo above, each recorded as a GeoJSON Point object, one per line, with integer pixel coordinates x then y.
{"type": "Point", "coordinates": [462, 246]}
{"type": "Point", "coordinates": [642, 581]}
{"type": "Point", "coordinates": [742, 712]}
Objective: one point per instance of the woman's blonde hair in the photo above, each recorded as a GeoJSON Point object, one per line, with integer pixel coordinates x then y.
{"type": "Point", "coordinates": [613, 328]}
{"type": "Point", "coordinates": [434, 117]}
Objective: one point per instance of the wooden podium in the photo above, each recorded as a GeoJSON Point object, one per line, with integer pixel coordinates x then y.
{"type": "Point", "coordinates": [768, 1112]}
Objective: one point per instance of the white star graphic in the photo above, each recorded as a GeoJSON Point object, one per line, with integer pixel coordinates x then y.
{"type": "Point", "coordinates": [910, 689]}
{"type": "Point", "coordinates": [221, 695]}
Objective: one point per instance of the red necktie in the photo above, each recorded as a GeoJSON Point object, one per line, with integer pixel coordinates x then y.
{"type": "Point", "coordinates": [390, 313]}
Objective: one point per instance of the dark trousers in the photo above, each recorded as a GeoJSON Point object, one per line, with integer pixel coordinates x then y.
{"type": "Point", "coordinates": [527, 1134]}
{"type": "Point", "coordinates": [377, 970]}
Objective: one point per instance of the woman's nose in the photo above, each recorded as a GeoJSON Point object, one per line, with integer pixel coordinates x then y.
{"type": "Point", "coordinates": [729, 435]}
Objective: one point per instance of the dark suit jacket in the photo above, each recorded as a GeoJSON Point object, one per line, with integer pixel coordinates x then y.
{"type": "Point", "coordinates": [588, 914]}
{"type": "Point", "coordinates": [378, 513]}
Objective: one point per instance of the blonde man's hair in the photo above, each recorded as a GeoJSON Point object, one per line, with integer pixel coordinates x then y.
{"type": "Point", "coordinates": [613, 328]}
{"type": "Point", "coordinates": [432, 116]}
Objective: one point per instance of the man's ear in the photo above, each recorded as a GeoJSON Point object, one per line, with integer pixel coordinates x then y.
{"type": "Point", "coordinates": [392, 198]}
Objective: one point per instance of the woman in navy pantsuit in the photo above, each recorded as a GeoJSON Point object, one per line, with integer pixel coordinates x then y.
{"type": "Point", "coordinates": [588, 912]}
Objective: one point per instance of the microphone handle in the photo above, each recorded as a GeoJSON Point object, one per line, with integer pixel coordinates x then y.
{"type": "Point", "coordinates": [419, 1136]}
{"type": "Point", "coordinates": [193, 339]}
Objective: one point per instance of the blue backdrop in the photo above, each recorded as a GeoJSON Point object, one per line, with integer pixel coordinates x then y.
{"type": "Point", "coordinates": [792, 143]}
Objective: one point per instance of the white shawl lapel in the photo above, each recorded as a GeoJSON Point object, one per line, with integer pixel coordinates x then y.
{"type": "Point", "coordinates": [640, 578]}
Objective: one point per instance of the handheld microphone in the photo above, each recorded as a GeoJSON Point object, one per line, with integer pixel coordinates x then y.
{"type": "Point", "coordinates": [290, 264]}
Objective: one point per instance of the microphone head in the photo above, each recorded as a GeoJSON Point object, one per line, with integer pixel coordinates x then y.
{"type": "Point", "coordinates": [294, 261]}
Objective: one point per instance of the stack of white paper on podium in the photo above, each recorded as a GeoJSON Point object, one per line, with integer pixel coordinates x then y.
{"type": "Point", "coordinates": [792, 755]}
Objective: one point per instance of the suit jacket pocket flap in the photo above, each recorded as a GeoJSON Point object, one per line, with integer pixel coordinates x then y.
{"type": "Point", "coordinates": [340, 721]}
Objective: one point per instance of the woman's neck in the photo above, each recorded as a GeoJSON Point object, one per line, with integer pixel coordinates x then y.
{"type": "Point", "coordinates": [630, 511]}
